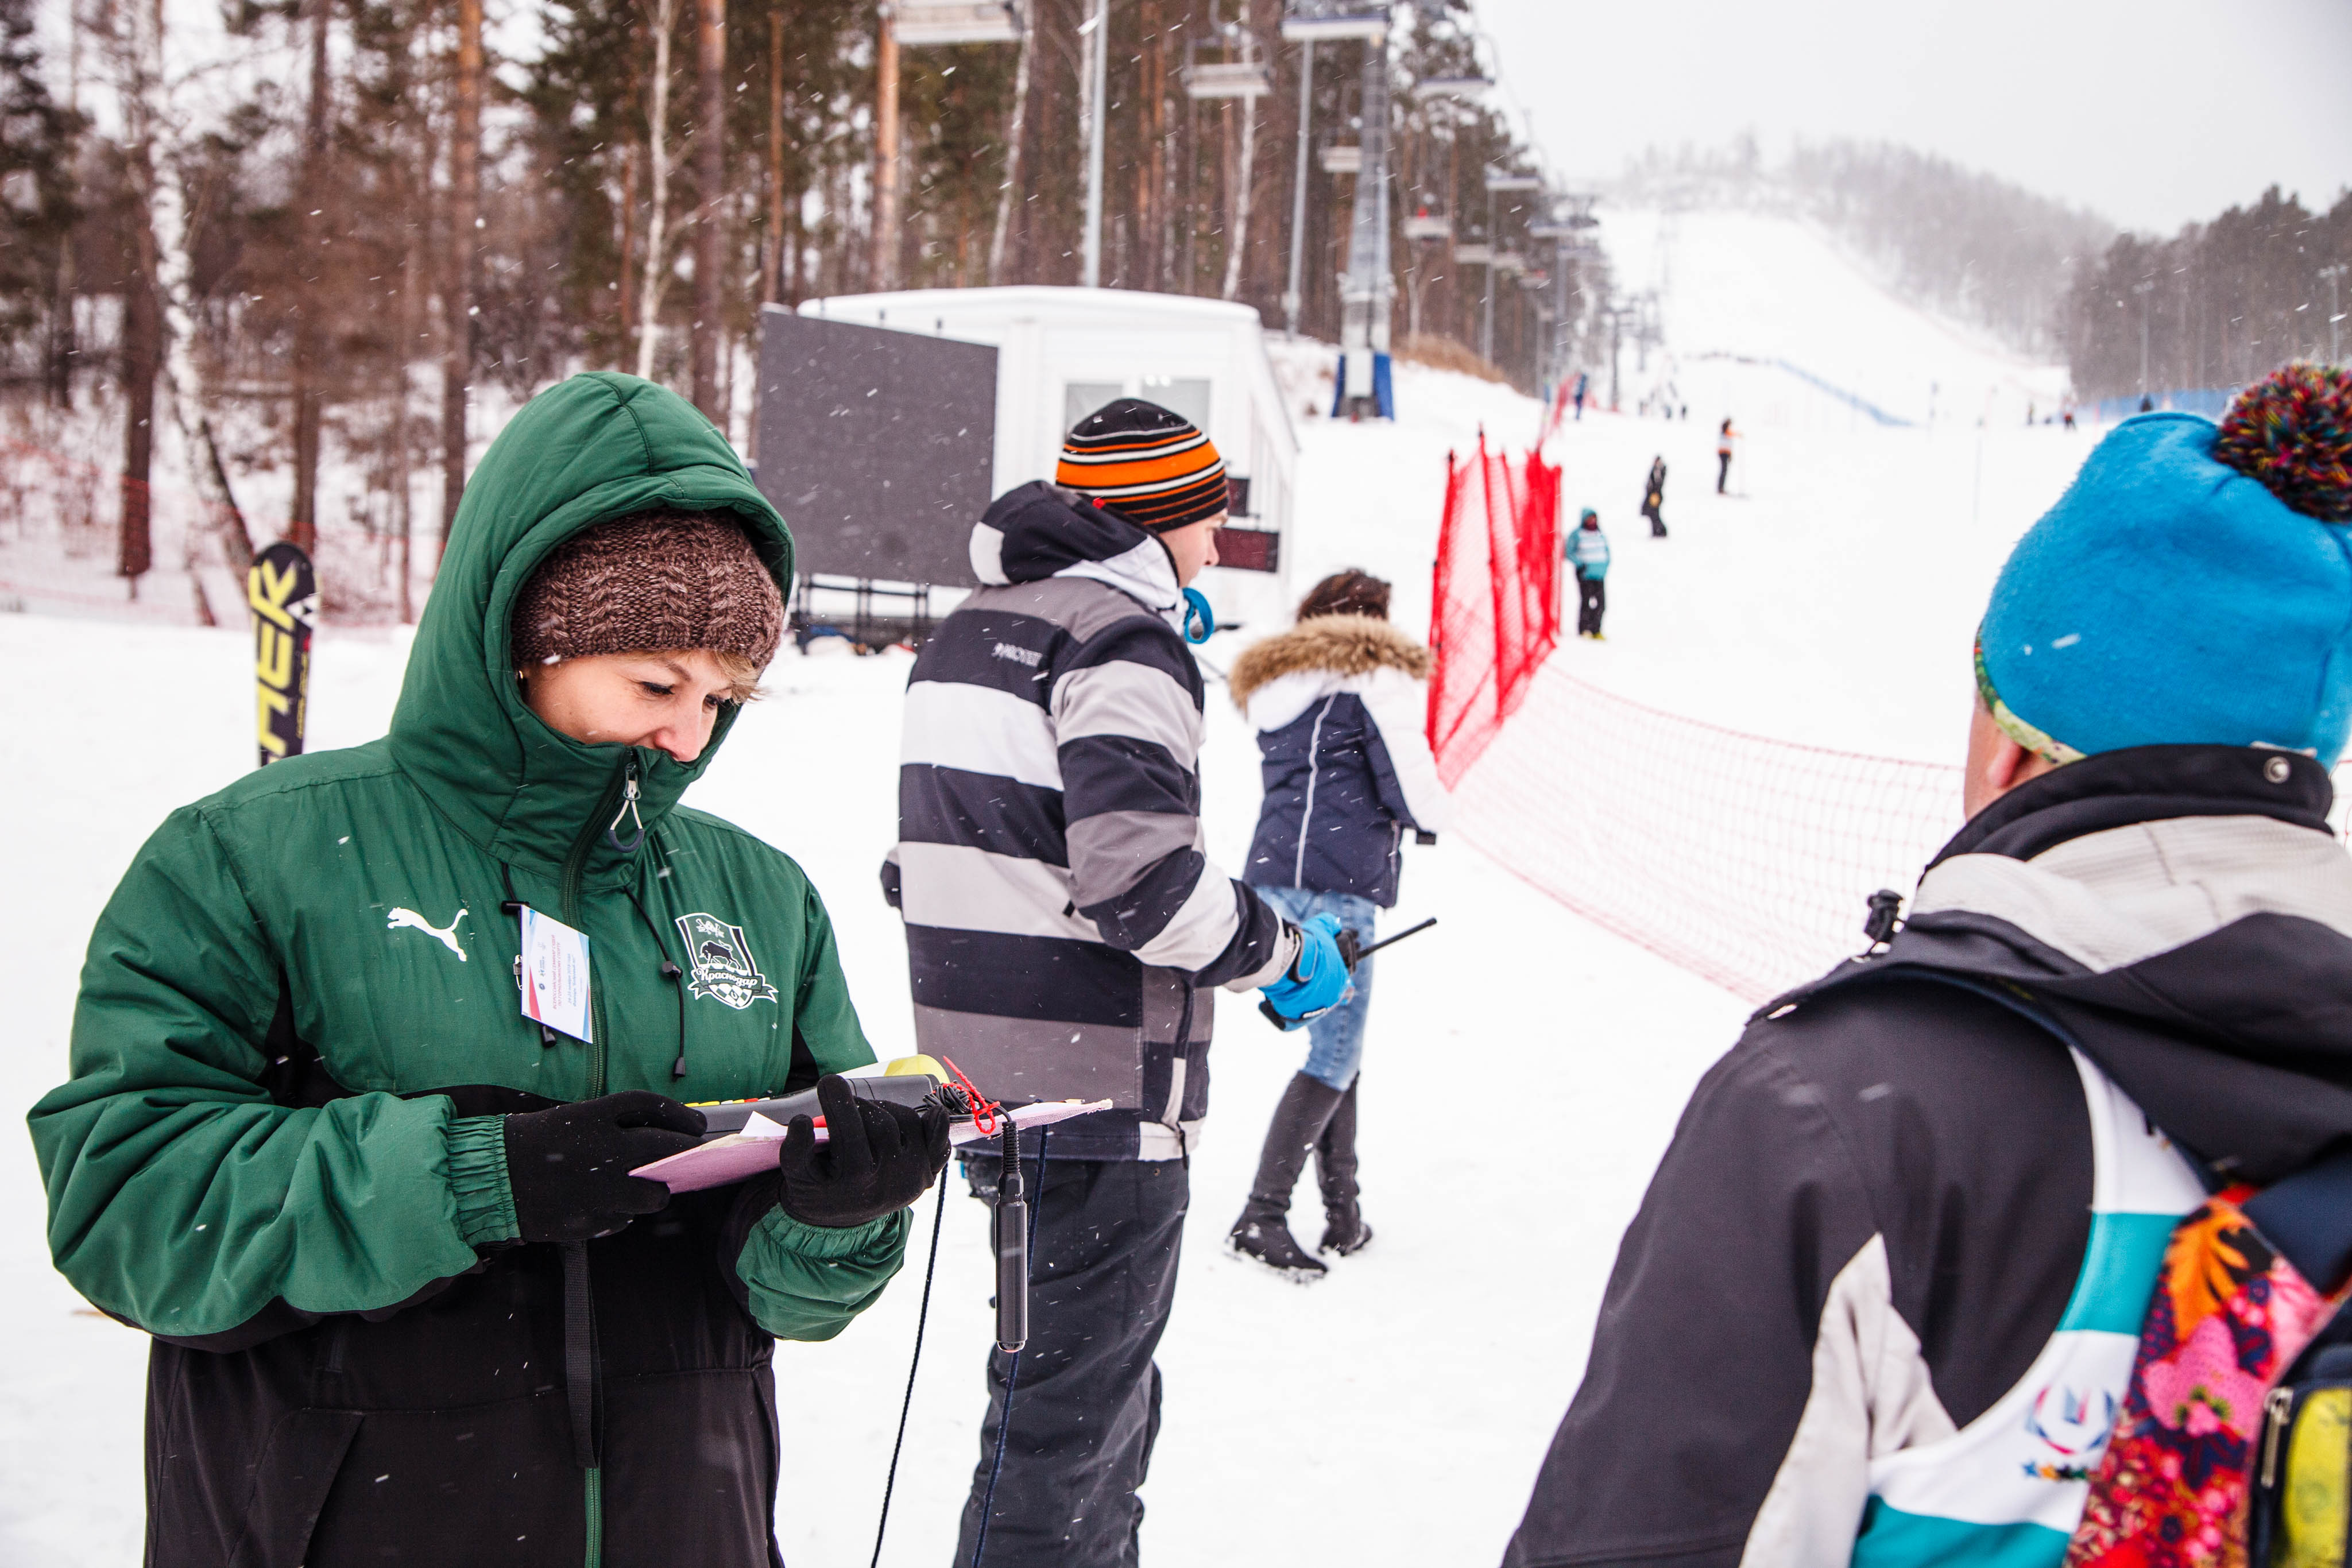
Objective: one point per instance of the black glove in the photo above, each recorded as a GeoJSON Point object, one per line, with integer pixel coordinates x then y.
{"type": "Point", "coordinates": [877, 1158]}
{"type": "Point", "coordinates": [569, 1166]}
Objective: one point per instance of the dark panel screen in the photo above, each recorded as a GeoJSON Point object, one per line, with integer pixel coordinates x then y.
{"type": "Point", "coordinates": [877, 445]}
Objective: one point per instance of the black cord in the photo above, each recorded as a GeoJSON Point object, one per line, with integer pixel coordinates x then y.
{"type": "Point", "coordinates": [923, 1316]}
{"type": "Point", "coordinates": [1012, 1373]}
{"type": "Point", "coordinates": [676, 978]}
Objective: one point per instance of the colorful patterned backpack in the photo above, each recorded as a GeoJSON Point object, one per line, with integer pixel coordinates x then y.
{"type": "Point", "coordinates": [2233, 1448]}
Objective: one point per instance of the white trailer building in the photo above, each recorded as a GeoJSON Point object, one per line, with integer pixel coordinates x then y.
{"type": "Point", "coordinates": [1064, 353]}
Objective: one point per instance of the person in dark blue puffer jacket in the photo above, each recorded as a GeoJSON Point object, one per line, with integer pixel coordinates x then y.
{"type": "Point", "coordinates": [1337, 703]}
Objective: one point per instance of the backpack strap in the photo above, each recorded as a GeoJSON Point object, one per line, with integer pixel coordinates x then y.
{"type": "Point", "coordinates": [2308, 1218]}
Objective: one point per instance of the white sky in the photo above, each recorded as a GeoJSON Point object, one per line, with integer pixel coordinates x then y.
{"type": "Point", "coordinates": [2153, 112]}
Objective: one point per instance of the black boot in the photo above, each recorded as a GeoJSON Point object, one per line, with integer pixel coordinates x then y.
{"type": "Point", "coordinates": [1263, 1231]}
{"type": "Point", "coordinates": [1344, 1230]}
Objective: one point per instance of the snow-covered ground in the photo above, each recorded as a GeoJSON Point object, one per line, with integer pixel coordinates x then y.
{"type": "Point", "coordinates": [1396, 1412]}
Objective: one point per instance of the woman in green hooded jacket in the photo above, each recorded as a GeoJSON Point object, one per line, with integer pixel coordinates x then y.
{"type": "Point", "coordinates": [407, 1304]}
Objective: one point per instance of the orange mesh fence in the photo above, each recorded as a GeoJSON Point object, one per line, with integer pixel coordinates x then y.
{"type": "Point", "coordinates": [1494, 607]}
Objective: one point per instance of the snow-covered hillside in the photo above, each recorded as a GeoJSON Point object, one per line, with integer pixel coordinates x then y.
{"type": "Point", "coordinates": [1396, 1412]}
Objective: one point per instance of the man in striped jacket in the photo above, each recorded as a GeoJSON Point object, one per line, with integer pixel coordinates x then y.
{"type": "Point", "coordinates": [1067, 935]}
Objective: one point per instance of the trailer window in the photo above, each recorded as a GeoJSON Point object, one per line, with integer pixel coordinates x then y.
{"type": "Point", "coordinates": [1080, 399]}
{"type": "Point", "coordinates": [1179, 394]}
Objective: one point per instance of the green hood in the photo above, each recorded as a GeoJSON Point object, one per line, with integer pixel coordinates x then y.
{"type": "Point", "coordinates": [595, 447]}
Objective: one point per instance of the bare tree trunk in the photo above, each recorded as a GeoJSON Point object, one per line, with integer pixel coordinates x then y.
{"type": "Point", "coordinates": [1151, 74]}
{"type": "Point", "coordinates": [657, 161]}
{"type": "Point", "coordinates": [143, 333]}
{"type": "Point", "coordinates": [1245, 182]}
{"type": "Point", "coordinates": [887, 174]}
{"type": "Point", "coordinates": [465, 209]}
{"type": "Point", "coordinates": [631, 158]}
{"type": "Point", "coordinates": [771, 269]}
{"type": "Point", "coordinates": [710, 174]}
{"type": "Point", "coordinates": [1009, 195]}
{"type": "Point", "coordinates": [403, 440]}
{"type": "Point", "coordinates": [153, 131]}
{"type": "Point", "coordinates": [62, 350]}
{"type": "Point", "coordinates": [309, 339]}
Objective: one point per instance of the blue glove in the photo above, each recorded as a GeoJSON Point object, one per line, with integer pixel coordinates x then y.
{"type": "Point", "coordinates": [1316, 981]}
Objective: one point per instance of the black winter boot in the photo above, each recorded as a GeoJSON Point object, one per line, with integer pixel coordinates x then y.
{"type": "Point", "coordinates": [1263, 1232]}
{"type": "Point", "coordinates": [1344, 1230]}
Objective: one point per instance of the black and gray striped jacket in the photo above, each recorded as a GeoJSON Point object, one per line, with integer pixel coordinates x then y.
{"type": "Point", "coordinates": [1064, 931]}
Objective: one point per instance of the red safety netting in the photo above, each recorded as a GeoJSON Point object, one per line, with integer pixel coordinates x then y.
{"type": "Point", "coordinates": [1746, 861]}
{"type": "Point", "coordinates": [1494, 610]}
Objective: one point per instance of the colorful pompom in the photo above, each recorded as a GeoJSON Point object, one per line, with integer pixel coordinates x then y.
{"type": "Point", "coordinates": [2292, 431]}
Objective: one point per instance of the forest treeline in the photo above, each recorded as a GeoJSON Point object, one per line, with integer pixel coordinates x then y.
{"type": "Point", "coordinates": [350, 226]}
{"type": "Point", "coordinates": [2215, 306]}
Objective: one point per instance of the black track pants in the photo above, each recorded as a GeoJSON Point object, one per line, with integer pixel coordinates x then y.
{"type": "Point", "coordinates": [1722, 473]}
{"type": "Point", "coordinates": [1595, 602]}
{"type": "Point", "coordinates": [1086, 1407]}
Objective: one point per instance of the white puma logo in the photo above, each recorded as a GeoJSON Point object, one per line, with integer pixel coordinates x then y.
{"type": "Point", "coordinates": [447, 933]}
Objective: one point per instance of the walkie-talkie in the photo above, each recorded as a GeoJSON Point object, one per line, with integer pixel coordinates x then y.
{"type": "Point", "coordinates": [1012, 1248]}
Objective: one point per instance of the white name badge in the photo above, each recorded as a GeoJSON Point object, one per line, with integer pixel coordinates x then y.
{"type": "Point", "coordinates": [554, 975]}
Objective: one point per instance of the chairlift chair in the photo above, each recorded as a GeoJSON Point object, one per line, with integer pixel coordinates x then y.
{"type": "Point", "coordinates": [921, 23]}
{"type": "Point", "coordinates": [1476, 253]}
{"type": "Point", "coordinates": [1343, 158]}
{"type": "Point", "coordinates": [1503, 180]}
{"type": "Point", "coordinates": [1227, 79]}
{"type": "Point", "coordinates": [1327, 21]}
{"type": "Point", "coordinates": [1459, 89]}
{"type": "Point", "coordinates": [1424, 225]}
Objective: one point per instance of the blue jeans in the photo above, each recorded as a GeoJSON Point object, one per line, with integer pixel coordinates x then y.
{"type": "Point", "coordinates": [1335, 1040]}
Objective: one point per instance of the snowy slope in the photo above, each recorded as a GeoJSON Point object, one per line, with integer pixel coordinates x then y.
{"type": "Point", "coordinates": [1780, 295]}
{"type": "Point", "coordinates": [1400, 1408]}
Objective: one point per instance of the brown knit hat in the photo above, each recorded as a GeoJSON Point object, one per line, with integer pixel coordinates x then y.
{"type": "Point", "coordinates": [652, 579]}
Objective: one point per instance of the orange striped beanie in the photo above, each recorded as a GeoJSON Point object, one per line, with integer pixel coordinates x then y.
{"type": "Point", "coordinates": [1157, 469]}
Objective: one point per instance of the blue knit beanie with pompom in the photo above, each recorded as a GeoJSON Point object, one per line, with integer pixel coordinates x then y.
{"type": "Point", "coordinates": [2193, 585]}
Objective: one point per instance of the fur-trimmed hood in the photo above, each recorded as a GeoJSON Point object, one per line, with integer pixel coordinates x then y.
{"type": "Point", "coordinates": [1337, 644]}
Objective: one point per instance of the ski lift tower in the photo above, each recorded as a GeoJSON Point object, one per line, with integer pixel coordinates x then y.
{"type": "Point", "coordinates": [1566, 233]}
{"type": "Point", "coordinates": [1498, 179]}
{"type": "Point", "coordinates": [1368, 294]}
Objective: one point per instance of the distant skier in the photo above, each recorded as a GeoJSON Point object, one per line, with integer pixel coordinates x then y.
{"type": "Point", "coordinates": [1583, 386]}
{"type": "Point", "coordinates": [1723, 456]}
{"type": "Point", "coordinates": [1587, 551]}
{"type": "Point", "coordinates": [1653, 497]}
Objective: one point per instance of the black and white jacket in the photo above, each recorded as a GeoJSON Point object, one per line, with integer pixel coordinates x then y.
{"type": "Point", "coordinates": [1875, 1222]}
{"type": "Point", "coordinates": [1065, 933]}
{"type": "Point", "coordinates": [1338, 704]}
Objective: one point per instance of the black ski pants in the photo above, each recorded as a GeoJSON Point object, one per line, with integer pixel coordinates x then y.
{"type": "Point", "coordinates": [1723, 471]}
{"type": "Point", "coordinates": [1594, 595]}
{"type": "Point", "coordinates": [1085, 1398]}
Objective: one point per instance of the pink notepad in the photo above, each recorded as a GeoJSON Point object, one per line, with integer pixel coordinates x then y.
{"type": "Point", "coordinates": [739, 1156]}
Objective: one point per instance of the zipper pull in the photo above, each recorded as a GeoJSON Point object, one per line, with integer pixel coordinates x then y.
{"type": "Point", "coordinates": [629, 810]}
{"type": "Point", "coordinates": [2278, 1408]}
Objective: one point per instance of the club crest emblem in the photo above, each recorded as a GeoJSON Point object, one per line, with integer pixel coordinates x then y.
{"type": "Point", "coordinates": [721, 962]}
